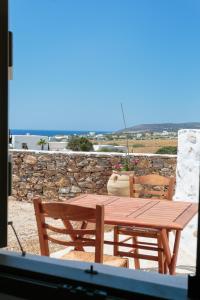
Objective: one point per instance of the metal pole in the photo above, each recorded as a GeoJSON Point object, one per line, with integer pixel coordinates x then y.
{"type": "Point", "coordinates": [3, 121]}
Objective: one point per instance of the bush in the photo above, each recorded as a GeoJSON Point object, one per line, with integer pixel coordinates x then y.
{"type": "Point", "coordinates": [167, 150]}
{"type": "Point", "coordinates": [77, 143]}
{"type": "Point", "coordinates": [109, 137]}
{"type": "Point", "coordinates": [104, 149]}
{"type": "Point", "coordinates": [138, 145]}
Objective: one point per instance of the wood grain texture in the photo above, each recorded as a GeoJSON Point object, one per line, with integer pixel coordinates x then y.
{"type": "Point", "coordinates": [143, 185]}
{"type": "Point", "coordinates": [149, 218]}
{"type": "Point", "coordinates": [81, 237]}
{"type": "Point", "coordinates": [140, 211]}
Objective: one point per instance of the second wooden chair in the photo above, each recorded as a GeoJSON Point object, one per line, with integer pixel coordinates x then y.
{"type": "Point", "coordinates": [151, 186]}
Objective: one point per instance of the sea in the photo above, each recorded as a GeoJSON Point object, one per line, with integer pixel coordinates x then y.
{"type": "Point", "coordinates": [54, 132]}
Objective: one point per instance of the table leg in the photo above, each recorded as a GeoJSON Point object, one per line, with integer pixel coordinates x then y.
{"type": "Point", "coordinates": [136, 259]}
{"type": "Point", "coordinates": [175, 252]}
{"type": "Point", "coordinates": [165, 243]}
{"type": "Point", "coordinates": [165, 268]}
{"type": "Point", "coordinates": [166, 271]}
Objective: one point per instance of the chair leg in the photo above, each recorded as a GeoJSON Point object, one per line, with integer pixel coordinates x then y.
{"type": "Point", "coordinates": [116, 241]}
{"type": "Point", "coordinates": [165, 267]}
{"type": "Point", "coordinates": [160, 257]}
{"type": "Point", "coordinates": [127, 264]}
{"type": "Point", "coordinates": [136, 260]}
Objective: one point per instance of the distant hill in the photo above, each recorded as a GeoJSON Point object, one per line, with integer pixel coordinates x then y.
{"type": "Point", "coordinates": [160, 127]}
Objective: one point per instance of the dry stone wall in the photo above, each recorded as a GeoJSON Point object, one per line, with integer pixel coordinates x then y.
{"type": "Point", "coordinates": [61, 175]}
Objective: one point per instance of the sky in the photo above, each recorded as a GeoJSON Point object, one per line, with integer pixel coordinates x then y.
{"type": "Point", "coordinates": [75, 61]}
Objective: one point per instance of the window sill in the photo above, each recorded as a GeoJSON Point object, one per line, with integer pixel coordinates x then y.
{"type": "Point", "coordinates": [57, 274]}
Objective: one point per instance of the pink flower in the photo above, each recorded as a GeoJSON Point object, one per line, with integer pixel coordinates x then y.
{"type": "Point", "coordinates": [118, 166]}
{"type": "Point", "coordinates": [135, 161]}
{"type": "Point", "coordinates": [126, 164]}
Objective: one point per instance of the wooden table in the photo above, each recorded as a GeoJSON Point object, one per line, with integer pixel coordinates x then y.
{"type": "Point", "coordinates": [153, 213]}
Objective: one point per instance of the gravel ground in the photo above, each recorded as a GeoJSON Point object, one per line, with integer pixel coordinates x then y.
{"type": "Point", "coordinates": [23, 217]}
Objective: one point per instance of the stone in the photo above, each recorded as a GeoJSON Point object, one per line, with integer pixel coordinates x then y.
{"type": "Point", "coordinates": [30, 160]}
{"type": "Point", "coordinates": [50, 194]}
{"type": "Point", "coordinates": [38, 174]}
{"type": "Point", "coordinates": [28, 186]}
{"type": "Point", "coordinates": [62, 182]}
{"type": "Point", "coordinates": [158, 163]}
{"type": "Point", "coordinates": [93, 168]}
{"type": "Point", "coordinates": [100, 182]}
{"type": "Point", "coordinates": [30, 196]}
{"type": "Point", "coordinates": [33, 180]}
{"type": "Point", "coordinates": [60, 164]}
{"type": "Point", "coordinates": [63, 198]}
{"type": "Point", "coordinates": [38, 187]}
{"type": "Point", "coordinates": [15, 178]}
{"type": "Point", "coordinates": [164, 170]}
{"type": "Point", "coordinates": [83, 163]}
{"type": "Point", "coordinates": [22, 185]}
{"type": "Point", "coordinates": [44, 158]}
{"type": "Point", "coordinates": [50, 166]}
{"type": "Point", "coordinates": [49, 184]}
{"type": "Point", "coordinates": [75, 189]}
{"type": "Point", "coordinates": [64, 190]}
{"type": "Point", "coordinates": [50, 173]}
{"type": "Point", "coordinates": [14, 192]}
{"type": "Point", "coordinates": [22, 193]}
{"type": "Point", "coordinates": [86, 185]}
{"type": "Point", "coordinates": [143, 164]}
{"type": "Point", "coordinates": [73, 169]}
{"type": "Point", "coordinates": [12, 198]}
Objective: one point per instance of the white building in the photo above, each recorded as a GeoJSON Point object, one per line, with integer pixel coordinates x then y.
{"type": "Point", "coordinates": [165, 133]}
{"type": "Point", "coordinates": [58, 146]}
{"type": "Point", "coordinates": [138, 135]}
{"type": "Point", "coordinates": [111, 148]}
{"type": "Point", "coordinates": [29, 142]}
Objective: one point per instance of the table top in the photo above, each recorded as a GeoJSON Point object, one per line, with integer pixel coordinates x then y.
{"type": "Point", "coordinates": [142, 212]}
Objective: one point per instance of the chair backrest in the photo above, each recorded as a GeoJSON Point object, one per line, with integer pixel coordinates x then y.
{"type": "Point", "coordinates": [69, 213]}
{"type": "Point", "coordinates": [153, 186]}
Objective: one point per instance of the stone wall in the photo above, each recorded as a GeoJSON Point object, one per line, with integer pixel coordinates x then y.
{"type": "Point", "coordinates": [60, 175]}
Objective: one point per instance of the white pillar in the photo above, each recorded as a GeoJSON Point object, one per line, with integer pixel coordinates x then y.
{"type": "Point", "coordinates": [188, 161]}
{"type": "Point", "coordinates": [187, 188]}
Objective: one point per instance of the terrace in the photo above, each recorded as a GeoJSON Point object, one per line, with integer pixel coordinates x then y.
{"type": "Point", "coordinates": [61, 176]}
{"type": "Point", "coordinates": [19, 274]}
{"type": "Point", "coordinates": [57, 176]}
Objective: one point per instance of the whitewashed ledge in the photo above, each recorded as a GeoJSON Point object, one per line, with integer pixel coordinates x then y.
{"type": "Point", "coordinates": [96, 154]}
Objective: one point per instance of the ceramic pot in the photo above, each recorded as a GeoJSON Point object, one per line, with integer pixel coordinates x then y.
{"type": "Point", "coordinates": [118, 183]}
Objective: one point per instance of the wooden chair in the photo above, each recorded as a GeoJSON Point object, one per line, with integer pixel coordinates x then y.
{"type": "Point", "coordinates": [151, 186]}
{"type": "Point", "coordinates": [69, 215]}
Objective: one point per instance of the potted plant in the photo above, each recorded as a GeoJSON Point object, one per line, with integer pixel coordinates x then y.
{"type": "Point", "coordinates": [118, 183]}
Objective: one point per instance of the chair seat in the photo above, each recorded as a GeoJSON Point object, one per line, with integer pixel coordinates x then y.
{"type": "Point", "coordinates": [138, 230]}
{"type": "Point", "coordinates": [90, 257]}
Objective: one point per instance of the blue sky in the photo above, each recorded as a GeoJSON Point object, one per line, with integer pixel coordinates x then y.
{"type": "Point", "coordinates": [75, 61]}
